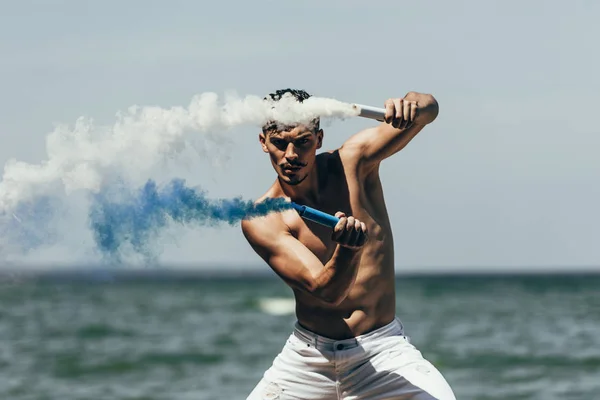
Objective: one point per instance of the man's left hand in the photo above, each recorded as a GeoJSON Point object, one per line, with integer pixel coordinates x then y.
{"type": "Point", "coordinates": [414, 108]}
{"type": "Point", "coordinates": [401, 112]}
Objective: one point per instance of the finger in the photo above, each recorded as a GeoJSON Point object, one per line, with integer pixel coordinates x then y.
{"type": "Point", "coordinates": [398, 105]}
{"type": "Point", "coordinates": [340, 214]}
{"type": "Point", "coordinates": [362, 237]}
{"type": "Point", "coordinates": [413, 111]}
{"type": "Point", "coordinates": [344, 237]}
{"type": "Point", "coordinates": [406, 113]}
{"type": "Point", "coordinates": [360, 240]}
{"type": "Point", "coordinates": [338, 229]}
{"type": "Point", "coordinates": [350, 222]}
{"type": "Point", "coordinates": [356, 233]}
{"type": "Point", "coordinates": [344, 233]}
{"type": "Point", "coordinates": [389, 111]}
{"type": "Point", "coordinates": [353, 233]}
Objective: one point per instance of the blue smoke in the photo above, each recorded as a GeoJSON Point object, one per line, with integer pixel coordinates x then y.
{"type": "Point", "coordinates": [119, 216]}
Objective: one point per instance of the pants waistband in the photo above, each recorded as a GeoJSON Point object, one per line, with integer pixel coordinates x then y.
{"type": "Point", "coordinates": [394, 328]}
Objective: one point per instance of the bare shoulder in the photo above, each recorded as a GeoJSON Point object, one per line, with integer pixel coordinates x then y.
{"type": "Point", "coordinates": [263, 226]}
{"type": "Point", "coordinates": [262, 232]}
{"type": "Point", "coordinates": [348, 158]}
{"type": "Point", "coordinates": [271, 237]}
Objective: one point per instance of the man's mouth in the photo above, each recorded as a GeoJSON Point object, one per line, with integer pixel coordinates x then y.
{"type": "Point", "coordinates": [291, 168]}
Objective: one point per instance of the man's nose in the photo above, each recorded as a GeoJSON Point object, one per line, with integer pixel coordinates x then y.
{"type": "Point", "coordinates": [290, 152]}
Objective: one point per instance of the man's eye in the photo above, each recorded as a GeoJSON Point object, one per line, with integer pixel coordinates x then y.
{"type": "Point", "coordinates": [302, 141]}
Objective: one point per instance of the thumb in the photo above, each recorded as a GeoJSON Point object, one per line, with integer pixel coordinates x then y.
{"type": "Point", "coordinates": [340, 214]}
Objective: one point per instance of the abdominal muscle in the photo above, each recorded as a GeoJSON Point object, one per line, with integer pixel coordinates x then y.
{"type": "Point", "coordinates": [370, 304]}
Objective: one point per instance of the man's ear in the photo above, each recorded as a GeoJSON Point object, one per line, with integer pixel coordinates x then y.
{"type": "Point", "coordinates": [319, 138]}
{"type": "Point", "coordinates": [263, 141]}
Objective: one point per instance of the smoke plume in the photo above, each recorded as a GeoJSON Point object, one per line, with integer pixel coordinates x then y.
{"type": "Point", "coordinates": [96, 180]}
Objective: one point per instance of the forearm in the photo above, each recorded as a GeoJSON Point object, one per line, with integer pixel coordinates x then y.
{"type": "Point", "coordinates": [334, 281]}
{"type": "Point", "coordinates": [375, 144]}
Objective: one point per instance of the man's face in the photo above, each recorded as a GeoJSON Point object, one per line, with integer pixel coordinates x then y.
{"type": "Point", "coordinates": [292, 150]}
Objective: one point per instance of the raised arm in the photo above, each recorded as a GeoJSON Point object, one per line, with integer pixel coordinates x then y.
{"type": "Point", "coordinates": [299, 267]}
{"type": "Point", "coordinates": [405, 117]}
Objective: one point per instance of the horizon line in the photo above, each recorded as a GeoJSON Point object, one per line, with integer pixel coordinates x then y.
{"type": "Point", "coordinates": [169, 274]}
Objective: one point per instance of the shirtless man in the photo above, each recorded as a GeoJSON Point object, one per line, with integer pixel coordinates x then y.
{"type": "Point", "coordinates": [347, 342]}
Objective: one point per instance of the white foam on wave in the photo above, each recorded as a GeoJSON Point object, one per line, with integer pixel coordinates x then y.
{"type": "Point", "coordinates": [277, 305]}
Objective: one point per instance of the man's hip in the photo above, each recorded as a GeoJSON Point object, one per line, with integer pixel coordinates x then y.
{"type": "Point", "coordinates": [382, 364]}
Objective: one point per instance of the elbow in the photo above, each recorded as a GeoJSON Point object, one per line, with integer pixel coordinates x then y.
{"type": "Point", "coordinates": [329, 297]}
{"type": "Point", "coordinates": [326, 289]}
{"type": "Point", "coordinates": [332, 301]}
{"type": "Point", "coordinates": [433, 106]}
{"type": "Point", "coordinates": [430, 108]}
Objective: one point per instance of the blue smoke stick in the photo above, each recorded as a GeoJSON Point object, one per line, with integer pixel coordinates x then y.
{"type": "Point", "coordinates": [315, 215]}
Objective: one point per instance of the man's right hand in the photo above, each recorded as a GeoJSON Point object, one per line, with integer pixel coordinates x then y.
{"type": "Point", "coordinates": [349, 232]}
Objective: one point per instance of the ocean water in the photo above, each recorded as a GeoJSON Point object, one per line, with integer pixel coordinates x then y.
{"type": "Point", "coordinates": [493, 337]}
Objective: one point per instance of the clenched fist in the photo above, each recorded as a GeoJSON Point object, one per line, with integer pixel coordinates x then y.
{"type": "Point", "coordinates": [414, 108]}
{"type": "Point", "coordinates": [400, 113]}
{"type": "Point", "coordinates": [349, 232]}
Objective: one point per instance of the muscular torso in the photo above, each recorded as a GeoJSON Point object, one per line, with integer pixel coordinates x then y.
{"type": "Point", "coordinates": [371, 301]}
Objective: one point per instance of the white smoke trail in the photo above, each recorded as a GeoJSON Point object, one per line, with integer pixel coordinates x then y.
{"type": "Point", "coordinates": [84, 157]}
{"type": "Point", "coordinates": [81, 157]}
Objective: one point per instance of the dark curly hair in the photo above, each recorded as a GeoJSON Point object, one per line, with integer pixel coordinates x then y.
{"type": "Point", "coordinates": [299, 94]}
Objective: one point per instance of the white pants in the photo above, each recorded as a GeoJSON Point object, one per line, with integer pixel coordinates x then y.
{"type": "Point", "coordinates": [381, 364]}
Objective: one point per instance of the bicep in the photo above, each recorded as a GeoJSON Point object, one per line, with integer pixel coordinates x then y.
{"type": "Point", "coordinates": [286, 255]}
{"type": "Point", "coordinates": [375, 144]}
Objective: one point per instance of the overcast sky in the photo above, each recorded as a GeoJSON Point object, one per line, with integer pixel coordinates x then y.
{"type": "Point", "coordinates": [508, 175]}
